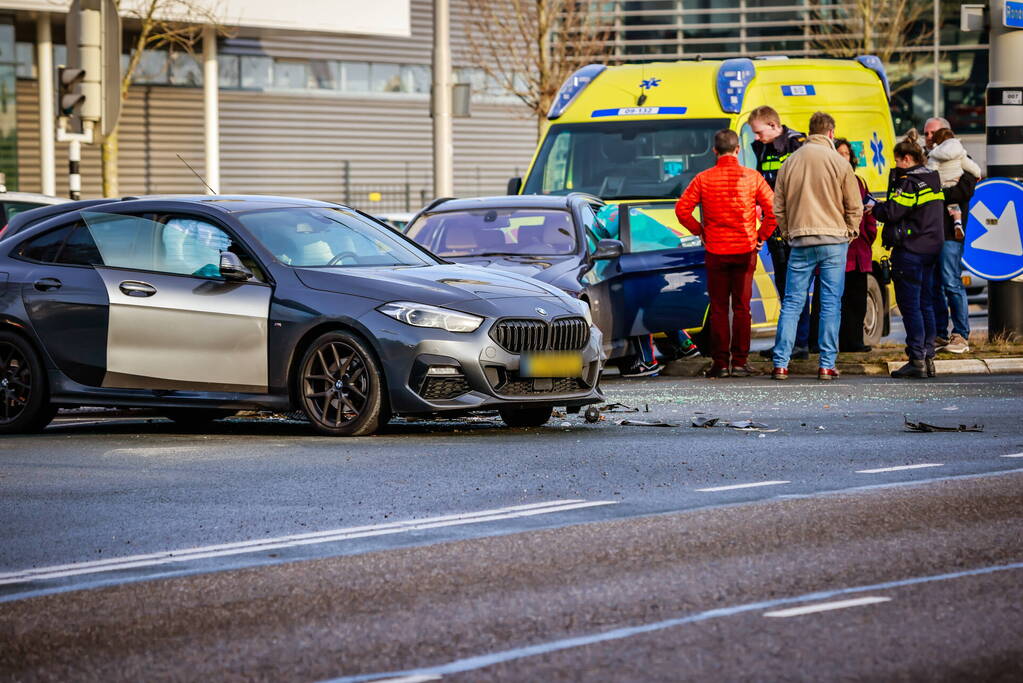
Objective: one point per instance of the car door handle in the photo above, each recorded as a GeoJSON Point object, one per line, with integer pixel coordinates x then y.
{"type": "Point", "coordinates": [133, 288]}
{"type": "Point", "coordinates": [47, 283]}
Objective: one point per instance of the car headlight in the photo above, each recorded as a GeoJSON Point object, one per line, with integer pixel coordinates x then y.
{"type": "Point", "coordinates": [424, 315]}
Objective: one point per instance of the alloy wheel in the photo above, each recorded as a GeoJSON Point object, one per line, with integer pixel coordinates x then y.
{"type": "Point", "coordinates": [15, 382]}
{"type": "Point", "coordinates": [336, 384]}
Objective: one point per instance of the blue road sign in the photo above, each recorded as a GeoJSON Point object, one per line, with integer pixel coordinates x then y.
{"type": "Point", "coordinates": [1013, 17]}
{"type": "Point", "coordinates": [994, 230]}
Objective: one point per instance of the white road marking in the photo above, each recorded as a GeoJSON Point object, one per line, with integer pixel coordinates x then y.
{"type": "Point", "coordinates": [743, 486]}
{"type": "Point", "coordinates": [900, 468]}
{"type": "Point", "coordinates": [1013, 455]}
{"type": "Point", "coordinates": [409, 679]}
{"type": "Point", "coordinates": [825, 607]}
{"type": "Point", "coordinates": [264, 544]}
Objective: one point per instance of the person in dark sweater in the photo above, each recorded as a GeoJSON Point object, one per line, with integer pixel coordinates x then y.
{"type": "Point", "coordinates": [914, 228]}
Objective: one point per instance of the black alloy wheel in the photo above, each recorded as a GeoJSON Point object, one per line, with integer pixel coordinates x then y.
{"type": "Point", "coordinates": [23, 390]}
{"type": "Point", "coordinates": [528, 416]}
{"type": "Point", "coordinates": [341, 386]}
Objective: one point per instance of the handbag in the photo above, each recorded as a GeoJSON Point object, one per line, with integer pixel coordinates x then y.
{"type": "Point", "coordinates": [885, 270]}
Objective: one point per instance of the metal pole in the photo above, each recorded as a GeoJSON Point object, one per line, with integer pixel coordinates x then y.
{"type": "Point", "coordinates": [47, 120]}
{"type": "Point", "coordinates": [74, 178]}
{"type": "Point", "coordinates": [937, 58]}
{"type": "Point", "coordinates": [347, 166]}
{"type": "Point", "coordinates": [1004, 151]}
{"type": "Point", "coordinates": [443, 147]}
{"type": "Point", "coordinates": [211, 99]}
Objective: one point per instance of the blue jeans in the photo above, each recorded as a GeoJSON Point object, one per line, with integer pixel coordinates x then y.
{"type": "Point", "coordinates": [949, 292]}
{"type": "Point", "coordinates": [914, 276]}
{"type": "Point", "coordinates": [830, 259]}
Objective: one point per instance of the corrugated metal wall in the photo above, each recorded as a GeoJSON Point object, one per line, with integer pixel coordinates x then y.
{"type": "Point", "coordinates": [297, 144]}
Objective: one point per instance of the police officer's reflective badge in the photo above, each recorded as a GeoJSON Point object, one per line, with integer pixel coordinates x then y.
{"type": "Point", "coordinates": [898, 193]}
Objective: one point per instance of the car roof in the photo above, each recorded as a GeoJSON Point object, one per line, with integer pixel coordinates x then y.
{"type": "Point", "coordinates": [33, 197]}
{"type": "Point", "coordinates": [534, 201]}
{"type": "Point", "coordinates": [225, 203]}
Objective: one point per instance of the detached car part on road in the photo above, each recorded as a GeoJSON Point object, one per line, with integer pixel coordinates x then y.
{"type": "Point", "coordinates": [201, 306]}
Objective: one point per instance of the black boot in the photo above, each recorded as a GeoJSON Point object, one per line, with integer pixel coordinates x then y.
{"type": "Point", "coordinates": [929, 363]}
{"type": "Point", "coordinates": [914, 369]}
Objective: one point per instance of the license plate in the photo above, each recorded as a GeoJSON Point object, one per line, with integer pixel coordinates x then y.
{"type": "Point", "coordinates": [551, 364]}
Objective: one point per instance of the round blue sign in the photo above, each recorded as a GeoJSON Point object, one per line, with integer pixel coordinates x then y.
{"type": "Point", "coordinates": [993, 248]}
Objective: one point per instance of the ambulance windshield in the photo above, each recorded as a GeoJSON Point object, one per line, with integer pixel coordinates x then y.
{"type": "Point", "coordinates": [624, 159]}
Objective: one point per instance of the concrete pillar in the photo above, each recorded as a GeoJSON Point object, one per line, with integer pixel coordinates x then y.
{"type": "Point", "coordinates": [211, 101]}
{"type": "Point", "coordinates": [47, 119]}
{"type": "Point", "coordinates": [443, 145]}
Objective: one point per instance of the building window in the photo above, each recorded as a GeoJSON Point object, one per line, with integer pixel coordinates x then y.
{"type": "Point", "coordinates": [290, 75]}
{"type": "Point", "coordinates": [257, 72]}
{"type": "Point", "coordinates": [324, 75]}
{"type": "Point", "coordinates": [152, 69]}
{"type": "Point", "coordinates": [355, 76]}
{"type": "Point", "coordinates": [385, 78]}
{"type": "Point", "coordinates": [26, 60]}
{"type": "Point", "coordinates": [229, 71]}
{"type": "Point", "coordinates": [416, 78]}
{"type": "Point", "coordinates": [185, 70]}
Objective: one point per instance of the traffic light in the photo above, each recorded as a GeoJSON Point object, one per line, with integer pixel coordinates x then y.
{"type": "Point", "coordinates": [68, 99]}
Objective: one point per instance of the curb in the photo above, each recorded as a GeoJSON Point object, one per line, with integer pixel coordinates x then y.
{"type": "Point", "coordinates": [965, 366]}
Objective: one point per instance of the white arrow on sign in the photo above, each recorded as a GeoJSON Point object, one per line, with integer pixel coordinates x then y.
{"type": "Point", "coordinates": [1002, 231]}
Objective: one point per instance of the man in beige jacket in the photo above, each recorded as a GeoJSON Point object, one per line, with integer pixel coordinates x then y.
{"type": "Point", "coordinates": [818, 206]}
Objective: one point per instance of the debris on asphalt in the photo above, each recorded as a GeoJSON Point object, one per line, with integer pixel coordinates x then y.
{"type": "Point", "coordinates": [925, 427]}
{"type": "Point", "coordinates": [592, 414]}
{"type": "Point", "coordinates": [740, 425]}
{"type": "Point", "coordinates": [647, 423]}
{"type": "Point", "coordinates": [565, 424]}
{"type": "Point", "coordinates": [617, 408]}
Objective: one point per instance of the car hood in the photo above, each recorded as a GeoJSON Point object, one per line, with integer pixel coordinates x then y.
{"type": "Point", "coordinates": [543, 268]}
{"type": "Point", "coordinates": [439, 285]}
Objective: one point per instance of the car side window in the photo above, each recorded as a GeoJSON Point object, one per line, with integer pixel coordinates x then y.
{"type": "Point", "coordinates": [80, 249]}
{"type": "Point", "coordinates": [14, 208]}
{"type": "Point", "coordinates": [177, 245]}
{"type": "Point", "coordinates": [46, 247]}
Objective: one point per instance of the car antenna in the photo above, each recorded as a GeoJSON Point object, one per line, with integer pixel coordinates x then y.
{"type": "Point", "coordinates": [203, 181]}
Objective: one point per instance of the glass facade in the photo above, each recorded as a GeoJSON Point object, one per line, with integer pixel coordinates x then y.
{"type": "Point", "coordinates": [649, 30]}
{"type": "Point", "coordinates": [8, 100]}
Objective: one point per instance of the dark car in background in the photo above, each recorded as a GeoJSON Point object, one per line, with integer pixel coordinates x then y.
{"type": "Point", "coordinates": [201, 306]}
{"type": "Point", "coordinates": [637, 276]}
{"type": "Point", "coordinates": [13, 204]}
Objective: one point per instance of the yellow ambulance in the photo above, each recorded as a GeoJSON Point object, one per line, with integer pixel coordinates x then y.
{"type": "Point", "coordinates": [636, 135]}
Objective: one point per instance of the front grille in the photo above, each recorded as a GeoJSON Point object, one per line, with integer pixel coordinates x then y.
{"type": "Point", "coordinates": [561, 385]}
{"type": "Point", "coordinates": [522, 335]}
{"type": "Point", "coordinates": [440, 388]}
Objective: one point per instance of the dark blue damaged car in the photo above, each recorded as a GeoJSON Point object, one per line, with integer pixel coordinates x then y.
{"type": "Point", "coordinates": [637, 276]}
{"type": "Point", "coordinates": [201, 306]}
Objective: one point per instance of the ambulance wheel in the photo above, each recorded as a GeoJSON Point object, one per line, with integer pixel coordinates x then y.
{"type": "Point", "coordinates": [873, 321]}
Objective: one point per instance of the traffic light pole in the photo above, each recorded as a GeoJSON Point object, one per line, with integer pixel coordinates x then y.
{"type": "Point", "coordinates": [1004, 131]}
{"type": "Point", "coordinates": [74, 153]}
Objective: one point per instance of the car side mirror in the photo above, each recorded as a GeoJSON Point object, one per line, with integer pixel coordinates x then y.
{"type": "Point", "coordinates": [232, 268]}
{"type": "Point", "coordinates": [514, 185]}
{"type": "Point", "coordinates": [608, 249]}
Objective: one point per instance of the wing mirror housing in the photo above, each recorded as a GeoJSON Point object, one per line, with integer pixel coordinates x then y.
{"type": "Point", "coordinates": [232, 268]}
{"type": "Point", "coordinates": [608, 249]}
{"type": "Point", "coordinates": [514, 185]}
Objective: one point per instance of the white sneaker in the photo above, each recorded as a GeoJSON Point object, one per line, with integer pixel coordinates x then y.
{"type": "Point", "coordinates": [956, 344]}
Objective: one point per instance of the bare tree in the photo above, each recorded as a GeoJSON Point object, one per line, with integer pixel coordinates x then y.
{"type": "Point", "coordinates": [890, 29]}
{"type": "Point", "coordinates": [173, 25]}
{"type": "Point", "coordinates": [527, 48]}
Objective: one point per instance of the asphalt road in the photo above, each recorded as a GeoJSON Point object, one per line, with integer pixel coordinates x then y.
{"type": "Point", "coordinates": [265, 552]}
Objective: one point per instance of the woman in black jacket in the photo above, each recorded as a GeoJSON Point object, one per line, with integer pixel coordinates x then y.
{"type": "Point", "coordinates": [914, 227]}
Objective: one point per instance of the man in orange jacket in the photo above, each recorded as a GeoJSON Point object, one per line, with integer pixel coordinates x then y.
{"type": "Point", "coordinates": [728, 195]}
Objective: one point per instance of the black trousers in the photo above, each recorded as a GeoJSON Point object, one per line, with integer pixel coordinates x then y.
{"type": "Point", "coordinates": [854, 310]}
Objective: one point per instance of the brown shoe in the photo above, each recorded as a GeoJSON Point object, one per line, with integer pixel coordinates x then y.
{"type": "Point", "coordinates": [827, 373]}
{"type": "Point", "coordinates": [716, 371]}
{"type": "Point", "coordinates": [744, 370]}
{"type": "Point", "coordinates": [780, 373]}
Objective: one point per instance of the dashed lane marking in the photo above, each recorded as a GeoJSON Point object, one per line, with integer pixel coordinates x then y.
{"type": "Point", "coordinates": [826, 606]}
{"type": "Point", "coordinates": [490, 659]}
{"type": "Point", "coordinates": [1013, 455]}
{"type": "Point", "coordinates": [264, 544]}
{"type": "Point", "coordinates": [879, 470]}
{"type": "Point", "coordinates": [744, 486]}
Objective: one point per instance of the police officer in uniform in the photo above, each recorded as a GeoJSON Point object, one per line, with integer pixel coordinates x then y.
{"type": "Point", "coordinates": [773, 144]}
{"type": "Point", "coordinates": [914, 228]}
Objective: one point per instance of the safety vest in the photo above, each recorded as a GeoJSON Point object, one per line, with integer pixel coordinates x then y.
{"type": "Point", "coordinates": [772, 155]}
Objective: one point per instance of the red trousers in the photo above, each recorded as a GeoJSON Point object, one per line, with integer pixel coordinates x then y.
{"type": "Point", "coordinates": [730, 276]}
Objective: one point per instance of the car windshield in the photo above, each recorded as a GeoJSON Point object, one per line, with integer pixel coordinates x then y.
{"type": "Point", "coordinates": [624, 160]}
{"type": "Point", "coordinates": [313, 236]}
{"type": "Point", "coordinates": [496, 232]}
